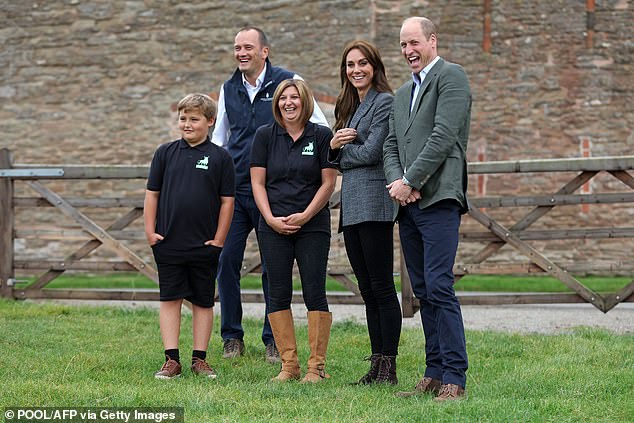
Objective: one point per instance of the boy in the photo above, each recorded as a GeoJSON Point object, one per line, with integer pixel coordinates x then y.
{"type": "Point", "coordinates": [187, 212]}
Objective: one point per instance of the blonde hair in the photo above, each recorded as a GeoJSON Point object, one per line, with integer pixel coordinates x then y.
{"type": "Point", "coordinates": [197, 101]}
{"type": "Point", "coordinates": [305, 97]}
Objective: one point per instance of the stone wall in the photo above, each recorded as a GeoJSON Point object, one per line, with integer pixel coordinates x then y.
{"type": "Point", "coordinates": [94, 82]}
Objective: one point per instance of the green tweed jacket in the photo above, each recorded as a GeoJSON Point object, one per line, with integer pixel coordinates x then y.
{"type": "Point", "coordinates": [428, 146]}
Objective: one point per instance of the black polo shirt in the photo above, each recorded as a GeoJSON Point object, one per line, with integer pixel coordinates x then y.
{"type": "Point", "coordinates": [293, 169]}
{"type": "Point", "coordinates": [191, 181]}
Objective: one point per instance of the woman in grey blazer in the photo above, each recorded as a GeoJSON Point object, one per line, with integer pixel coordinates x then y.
{"type": "Point", "coordinates": [362, 111]}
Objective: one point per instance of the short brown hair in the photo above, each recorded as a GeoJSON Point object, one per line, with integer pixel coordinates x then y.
{"type": "Point", "coordinates": [305, 96]}
{"type": "Point", "coordinates": [197, 101]}
{"type": "Point", "coordinates": [264, 40]}
{"type": "Point", "coordinates": [426, 25]}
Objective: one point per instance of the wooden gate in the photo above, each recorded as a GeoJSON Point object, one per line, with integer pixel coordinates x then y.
{"type": "Point", "coordinates": [517, 234]}
{"type": "Point", "coordinates": [114, 235]}
{"type": "Point", "coordinates": [111, 237]}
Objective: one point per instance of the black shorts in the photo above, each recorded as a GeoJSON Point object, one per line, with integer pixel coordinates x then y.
{"type": "Point", "coordinates": [187, 274]}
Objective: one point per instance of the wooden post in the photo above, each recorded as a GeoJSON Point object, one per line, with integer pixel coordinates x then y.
{"type": "Point", "coordinates": [486, 36]}
{"type": "Point", "coordinates": [409, 303]}
{"type": "Point", "coordinates": [6, 226]}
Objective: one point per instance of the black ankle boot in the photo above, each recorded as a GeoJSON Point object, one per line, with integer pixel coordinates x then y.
{"type": "Point", "coordinates": [370, 377]}
{"type": "Point", "coordinates": [387, 370]}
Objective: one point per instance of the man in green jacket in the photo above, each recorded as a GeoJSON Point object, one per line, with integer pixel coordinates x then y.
{"type": "Point", "coordinates": [426, 170]}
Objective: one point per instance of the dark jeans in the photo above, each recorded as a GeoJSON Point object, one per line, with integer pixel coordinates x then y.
{"type": "Point", "coordinates": [371, 253]}
{"type": "Point", "coordinates": [246, 217]}
{"type": "Point", "coordinates": [429, 239]}
{"type": "Point", "coordinates": [310, 249]}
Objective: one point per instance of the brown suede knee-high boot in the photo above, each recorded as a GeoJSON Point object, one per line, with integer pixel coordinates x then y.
{"type": "Point", "coordinates": [319, 323]}
{"type": "Point", "coordinates": [284, 334]}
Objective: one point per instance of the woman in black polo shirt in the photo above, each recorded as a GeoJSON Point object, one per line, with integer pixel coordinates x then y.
{"type": "Point", "coordinates": [292, 182]}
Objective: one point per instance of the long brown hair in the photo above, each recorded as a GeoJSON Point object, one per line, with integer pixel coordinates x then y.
{"type": "Point", "coordinates": [348, 99]}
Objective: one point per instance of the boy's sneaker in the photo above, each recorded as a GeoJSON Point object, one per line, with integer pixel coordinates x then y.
{"type": "Point", "coordinates": [202, 368]}
{"type": "Point", "coordinates": [170, 370]}
{"type": "Point", "coordinates": [233, 348]}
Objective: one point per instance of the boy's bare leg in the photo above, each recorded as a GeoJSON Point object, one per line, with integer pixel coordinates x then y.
{"type": "Point", "coordinates": [170, 321]}
{"type": "Point", "coordinates": [202, 322]}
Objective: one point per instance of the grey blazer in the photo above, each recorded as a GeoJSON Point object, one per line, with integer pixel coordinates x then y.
{"type": "Point", "coordinates": [364, 197]}
{"type": "Point", "coordinates": [429, 145]}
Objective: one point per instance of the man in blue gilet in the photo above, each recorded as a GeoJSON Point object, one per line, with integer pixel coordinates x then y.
{"type": "Point", "coordinates": [245, 104]}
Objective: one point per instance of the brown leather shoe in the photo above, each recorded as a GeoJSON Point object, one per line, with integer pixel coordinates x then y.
{"type": "Point", "coordinates": [202, 368]}
{"type": "Point", "coordinates": [450, 392]}
{"type": "Point", "coordinates": [425, 386]}
{"type": "Point", "coordinates": [170, 370]}
{"type": "Point", "coordinates": [233, 348]}
{"type": "Point", "coordinates": [272, 355]}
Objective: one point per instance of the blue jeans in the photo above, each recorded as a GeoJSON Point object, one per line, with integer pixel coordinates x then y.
{"type": "Point", "coordinates": [245, 219]}
{"type": "Point", "coordinates": [429, 240]}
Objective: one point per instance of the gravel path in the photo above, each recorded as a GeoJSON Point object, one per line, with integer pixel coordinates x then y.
{"type": "Point", "coordinates": [545, 319]}
{"type": "Point", "coordinates": [506, 318]}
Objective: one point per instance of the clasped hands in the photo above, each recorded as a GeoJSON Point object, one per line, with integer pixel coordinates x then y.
{"type": "Point", "coordinates": [403, 194]}
{"type": "Point", "coordinates": [287, 225]}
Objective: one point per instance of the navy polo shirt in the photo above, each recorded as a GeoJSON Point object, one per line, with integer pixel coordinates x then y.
{"type": "Point", "coordinates": [293, 169]}
{"type": "Point", "coordinates": [191, 181]}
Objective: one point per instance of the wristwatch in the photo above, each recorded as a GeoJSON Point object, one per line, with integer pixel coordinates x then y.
{"type": "Point", "coordinates": [406, 182]}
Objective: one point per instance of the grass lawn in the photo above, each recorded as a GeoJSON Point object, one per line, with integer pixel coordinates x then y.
{"type": "Point", "coordinates": [59, 355]}
{"type": "Point", "coordinates": [480, 283]}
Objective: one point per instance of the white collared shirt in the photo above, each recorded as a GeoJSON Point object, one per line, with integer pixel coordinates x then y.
{"type": "Point", "coordinates": [418, 80]}
{"type": "Point", "coordinates": [253, 90]}
{"type": "Point", "coordinates": [220, 136]}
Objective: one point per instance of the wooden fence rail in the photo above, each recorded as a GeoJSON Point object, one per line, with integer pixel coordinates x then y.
{"type": "Point", "coordinates": [113, 237]}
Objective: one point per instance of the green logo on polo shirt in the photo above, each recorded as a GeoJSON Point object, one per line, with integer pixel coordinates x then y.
{"type": "Point", "coordinates": [202, 163]}
{"type": "Point", "coordinates": [309, 150]}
